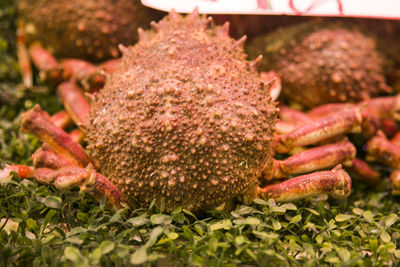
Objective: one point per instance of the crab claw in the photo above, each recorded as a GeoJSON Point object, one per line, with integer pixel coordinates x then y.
{"type": "Point", "coordinates": [335, 183]}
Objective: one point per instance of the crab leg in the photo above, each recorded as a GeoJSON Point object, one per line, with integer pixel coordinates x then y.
{"type": "Point", "coordinates": [35, 122]}
{"type": "Point", "coordinates": [45, 157]}
{"type": "Point", "coordinates": [336, 183]}
{"type": "Point", "coordinates": [23, 57]}
{"type": "Point", "coordinates": [21, 170]}
{"type": "Point", "coordinates": [75, 103]}
{"type": "Point", "coordinates": [87, 179]}
{"type": "Point", "coordinates": [288, 114]}
{"type": "Point", "coordinates": [61, 119]}
{"type": "Point", "coordinates": [48, 66]}
{"type": "Point", "coordinates": [313, 159]}
{"type": "Point", "coordinates": [395, 182]}
{"type": "Point", "coordinates": [320, 130]}
{"type": "Point", "coordinates": [363, 171]}
{"type": "Point", "coordinates": [381, 150]}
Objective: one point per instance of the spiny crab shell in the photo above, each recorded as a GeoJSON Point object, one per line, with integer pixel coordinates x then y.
{"type": "Point", "coordinates": [185, 119]}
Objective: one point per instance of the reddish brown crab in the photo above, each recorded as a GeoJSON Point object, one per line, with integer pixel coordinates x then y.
{"type": "Point", "coordinates": [186, 119]}
{"type": "Point", "coordinates": [84, 30]}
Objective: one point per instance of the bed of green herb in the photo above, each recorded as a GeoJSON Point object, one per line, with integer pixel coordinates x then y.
{"type": "Point", "coordinates": [41, 226]}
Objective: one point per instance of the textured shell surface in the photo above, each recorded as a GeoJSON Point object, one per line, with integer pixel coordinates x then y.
{"type": "Point", "coordinates": [185, 119]}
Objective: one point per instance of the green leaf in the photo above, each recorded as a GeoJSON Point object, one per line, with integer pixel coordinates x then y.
{"type": "Point", "coordinates": [73, 254]}
{"type": "Point", "coordinates": [139, 256]}
{"type": "Point", "coordinates": [368, 216]}
{"type": "Point", "coordinates": [53, 202]}
{"type": "Point", "coordinates": [106, 247]}
{"type": "Point", "coordinates": [343, 217]}
{"type": "Point", "coordinates": [160, 219]}
{"type": "Point", "coordinates": [155, 233]}
{"type": "Point", "coordinates": [172, 235]}
{"type": "Point", "coordinates": [385, 237]}
{"type": "Point", "coordinates": [295, 219]}
{"type": "Point", "coordinates": [138, 221]}
{"type": "Point", "coordinates": [390, 219]}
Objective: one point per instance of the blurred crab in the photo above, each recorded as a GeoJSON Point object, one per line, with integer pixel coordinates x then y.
{"type": "Point", "coordinates": [84, 30]}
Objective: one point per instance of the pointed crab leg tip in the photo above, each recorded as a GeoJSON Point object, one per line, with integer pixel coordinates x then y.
{"type": "Point", "coordinates": [123, 48]}
{"type": "Point", "coordinates": [240, 42]}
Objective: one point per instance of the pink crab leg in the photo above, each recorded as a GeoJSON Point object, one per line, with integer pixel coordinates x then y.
{"type": "Point", "coordinates": [22, 171]}
{"type": "Point", "coordinates": [48, 66]}
{"type": "Point", "coordinates": [381, 150]}
{"type": "Point", "coordinates": [61, 119]}
{"type": "Point", "coordinates": [283, 127]}
{"type": "Point", "coordinates": [396, 139]}
{"type": "Point", "coordinates": [35, 122]}
{"type": "Point", "coordinates": [111, 65]}
{"type": "Point", "coordinates": [47, 158]}
{"type": "Point", "coordinates": [23, 57]}
{"type": "Point", "coordinates": [87, 179]}
{"type": "Point", "coordinates": [77, 136]}
{"type": "Point", "coordinates": [87, 74]}
{"type": "Point", "coordinates": [324, 110]}
{"type": "Point", "coordinates": [363, 171]}
{"type": "Point", "coordinates": [395, 182]}
{"type": "Point", "coordinates": [74, 102]}
{"type": "Point", "coordinates": [384, 107]}
{"type": "Point", "coordinates": [335, 183]}
{"type": "Point", "coordinates": [313, 159]}
{"type": "Point", "coordinates": [320, 130]}
{"type": "Point", "coordinates": [288, 114]}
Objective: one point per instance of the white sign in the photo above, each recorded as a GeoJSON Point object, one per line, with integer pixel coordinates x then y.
{"type": "Point", "coordinates": [388, 9]}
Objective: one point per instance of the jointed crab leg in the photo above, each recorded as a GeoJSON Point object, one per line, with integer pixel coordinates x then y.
{"type": "Point", "coordinates": [320, 130]}
{"type": "Point", "coordinates": [336, 183]}
{"type": "Point", "coordinates": [362, 170]}
{"type": "Point", "coordinates": [23, 57]}
{"type": "Point", "coordinates": [382, 150]}
{"type": "Point", "coordinates": [47, 158]}
{"type": "Point", "coordinates": [87, 179]}
{"type": "Point", "coordinates": [313, 159]}
{"type": "Point", "coordinates": [74, 102]}
{"type": "Point", "coordinates": [38, 124]}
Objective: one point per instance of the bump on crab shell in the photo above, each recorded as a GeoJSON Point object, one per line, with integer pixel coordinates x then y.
{"type": "Point", "coordinates": [184, 119]}
{"type": "Point", "coordinates": [321, 64]}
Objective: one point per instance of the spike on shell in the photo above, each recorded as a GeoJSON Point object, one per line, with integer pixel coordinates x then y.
{"type": "Point", "coordinates": [195, 14]}
{"type": "Point", "coordinates": [123, 49]}
{"type": "Point", "coordinates": [174, 16]}
{"type": "Point", "coordinates": [255, 63]}
{"type": "Point", "coordinates": [155, 26]}
{"type": "Point", "coordinates": [143, 36]}
{"type": "Point", "coordinates": [241, 41]}
{"type": "Point", "coordinates": [224, 30]}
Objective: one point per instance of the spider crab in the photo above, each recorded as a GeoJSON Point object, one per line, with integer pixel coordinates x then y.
{"type": "Point", "coordinates": [76, 31]}
{"type": "Point", "coordinates": [187, 119]}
